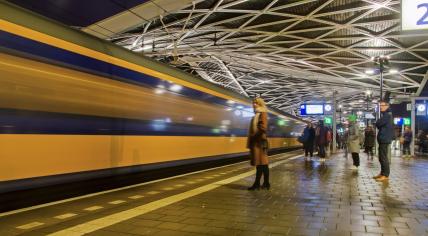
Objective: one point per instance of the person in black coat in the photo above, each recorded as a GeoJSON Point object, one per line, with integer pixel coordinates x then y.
{"type": "Point", "coordinates": [321, 139]}
{"type": "Point", "coordinates": [369, 141]}
{"type": "Point", "coordinates": [385, 136]}
{"type": "Point", "coordinates": [309, 136]}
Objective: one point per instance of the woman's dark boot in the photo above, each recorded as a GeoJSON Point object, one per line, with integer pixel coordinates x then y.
{"type": "Point", "coordinates": [256, 184]}
{"type": "Point", "coordinates": [266, 184]}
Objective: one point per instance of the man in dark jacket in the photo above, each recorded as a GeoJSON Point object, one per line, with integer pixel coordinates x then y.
{"type": "Point", "coordinates": [321, 140]}
{"type": "Point", "coordinates": [385, 136]}
{"type": "Point", "coordinates": [309, 137]}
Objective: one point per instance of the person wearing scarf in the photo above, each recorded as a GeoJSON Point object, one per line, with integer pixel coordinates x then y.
{"type": "Point", "coordinates": [258, 144]}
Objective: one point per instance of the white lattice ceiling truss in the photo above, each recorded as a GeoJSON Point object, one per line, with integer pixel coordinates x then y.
{"type": "Point", "coordinates": [288, 51]}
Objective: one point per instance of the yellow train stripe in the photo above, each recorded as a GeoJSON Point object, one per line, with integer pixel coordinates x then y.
{"type": "Point", "coordinates": [46, 155]}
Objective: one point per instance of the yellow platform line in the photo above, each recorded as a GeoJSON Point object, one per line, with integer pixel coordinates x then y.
{"type": "Point", "coordinates": [109, 220]}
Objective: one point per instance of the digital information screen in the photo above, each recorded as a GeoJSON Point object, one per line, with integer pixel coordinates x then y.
{"type": "Point", "coordinates": [312, 109]}
{"type": "Point", "coordinates": [414, 14]}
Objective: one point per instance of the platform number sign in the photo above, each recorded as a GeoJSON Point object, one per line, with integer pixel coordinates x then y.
{"type": "Point", "coordinates": [414, 14]}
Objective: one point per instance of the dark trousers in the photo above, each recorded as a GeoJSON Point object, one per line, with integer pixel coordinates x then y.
{"type": "Point", "coordinates": [406, 148]}
{"type": "Point", "coordinates": [262, 170]}
{"type": "Point", "coordinates": [369, 151]}
{"type": "Point", "coordinates": [321, 151]}
{"type": "Point", "coordinates": [309, 149]}
{"type": "Point", "coordinates": [356, 159]}
{"type": "Point", "coordinates": [383, 159]}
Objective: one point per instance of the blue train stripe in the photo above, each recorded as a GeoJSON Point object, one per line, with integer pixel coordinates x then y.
{"type": "Point", "coordinates": [37, 122]}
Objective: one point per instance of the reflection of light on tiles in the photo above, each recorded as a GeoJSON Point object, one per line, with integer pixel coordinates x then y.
{"type": "Point", "coordinates": [30, 225]}
{"type": "Point", "coordinates": [93, 208]}
{"type": "Point", "coordinates": [168, 189]}
{"type": "Point", "coordinates": [190, 182]}
{"type": "Point", "coordinates": [117, 217]}
{"type": "Point", "coordinates": [65, 216]}
{"type": "Point", "coordinates": [208, 177]}
{"type": "Point", "coordinates": [135, 197]}
{"type": "Point", "coordinates": [153, 192]}
{"type": "Point", "coordinates": [179, 185]}
{"type": "Point", "coordinates": [117, 202]}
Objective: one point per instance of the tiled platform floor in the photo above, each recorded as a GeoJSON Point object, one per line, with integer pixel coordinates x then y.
{"type": "Point", "coordinates": [307, 198]}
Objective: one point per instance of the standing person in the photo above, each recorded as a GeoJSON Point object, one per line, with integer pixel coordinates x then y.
{"type": "Point", "coordinates": [385, 136]}
{"type": "Point", "coordinates": [258, 144]}
{"type": "Point", "coordinates": [421, 141]}
{"type": "Point", "coordinates": [354, 142]}
{"type": "Point", "coordinates": [321, 139]}
{"type": "Point", "coordinates": [345, 141]}
{"type": "Point", "coordinates": [369, 141]}
{"type": "Point", "coordinates": [309, 134]}
{"type": "Point", "coordinates": [407, 139]}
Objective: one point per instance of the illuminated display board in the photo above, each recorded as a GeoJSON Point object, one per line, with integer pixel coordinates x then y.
{"type": "Point", "coordinates": [414, 14]}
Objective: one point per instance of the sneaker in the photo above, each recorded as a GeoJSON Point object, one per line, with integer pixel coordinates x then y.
{"type": "Point", "coordinates": [354, 168]}
{"type": "Point", "coordinates": [377, 176]}
{"type": "Point", "coordinates": [382, 178]}
{"type": "Point", "coordinates": [322, 159]}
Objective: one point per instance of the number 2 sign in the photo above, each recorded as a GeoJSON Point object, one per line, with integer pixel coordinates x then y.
{"type": "Point", "coordinates": [414, 14]}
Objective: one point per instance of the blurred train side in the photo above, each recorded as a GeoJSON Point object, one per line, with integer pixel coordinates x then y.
{"type": "Point", "coordinates": [71, 105]}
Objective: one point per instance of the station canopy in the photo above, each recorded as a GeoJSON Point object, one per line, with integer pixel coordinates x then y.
{"type": "Point", "coordinates": [287, 51]}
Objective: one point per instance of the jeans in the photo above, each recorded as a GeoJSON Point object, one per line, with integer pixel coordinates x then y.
{"type": "Point", "coordinates": [309, 149]}
{"type": "Point", "coordinates": [321, 151]}
{"type": "Point", "coordinates": [383, 159]}
{"type": "Point", "coordinates": [406, 148]}
{"type": "Point", "coordinates": [369, 151]}
{"type": "Point", "coordinates": [356, 158]}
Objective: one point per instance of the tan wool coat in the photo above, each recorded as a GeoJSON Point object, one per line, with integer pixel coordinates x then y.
{"type": "Point", "coordinates": [354, 139]}
{"type": "Point", "coordinates": [257, 140]}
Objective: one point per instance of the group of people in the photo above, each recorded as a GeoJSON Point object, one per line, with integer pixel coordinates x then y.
{"type": "Point", "coordinates": [350, 140]}
{"type": "Point", "coordinates": [318, 137]}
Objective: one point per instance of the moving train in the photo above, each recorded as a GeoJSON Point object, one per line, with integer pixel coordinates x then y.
{"type": "Point", "coordinates": [75, 107]}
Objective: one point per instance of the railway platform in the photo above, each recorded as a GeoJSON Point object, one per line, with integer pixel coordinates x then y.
{"type": "Point", "coordinates": [306, 198]}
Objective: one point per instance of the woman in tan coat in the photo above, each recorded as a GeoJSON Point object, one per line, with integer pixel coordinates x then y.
{"type": "Point", "coordinates": [258, 144]}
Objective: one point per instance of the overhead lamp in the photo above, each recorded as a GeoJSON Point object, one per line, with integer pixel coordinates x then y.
{"type": "Point", "coordinates": [361, 100]}
{"type": "Point", "coordinates": [340, 106]}
{"type": "Point", "coordinates": [368, 92]}
{"type": "Point", "coordinates": [369, 72]}
{"type": "Point", "coordinates": [393, 71]}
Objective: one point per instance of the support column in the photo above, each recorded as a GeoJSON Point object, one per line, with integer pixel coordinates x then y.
{"type": "Point", "coordinates": [413, 124]}
{"type": "Point", "coordinates": [334, 121]}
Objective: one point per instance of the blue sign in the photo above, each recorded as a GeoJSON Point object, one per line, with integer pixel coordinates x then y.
{"type": "Point", "coordinates": [315, 109]}
{"type": "Point", "coordinates": [398, 121]}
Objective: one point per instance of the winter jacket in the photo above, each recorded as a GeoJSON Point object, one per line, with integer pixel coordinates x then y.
{"type": "Point", "coordinates": [407, 137]}
{"type": "Point", "coordinates": [369, 140]}
{"type": "Point", "coordinates": [385, 126]}
{"type": "Point", "coordinates": [354, 139]}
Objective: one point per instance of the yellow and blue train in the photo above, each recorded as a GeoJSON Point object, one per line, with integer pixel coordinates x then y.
{"type": "Point", "coordinates": [72, 104]}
